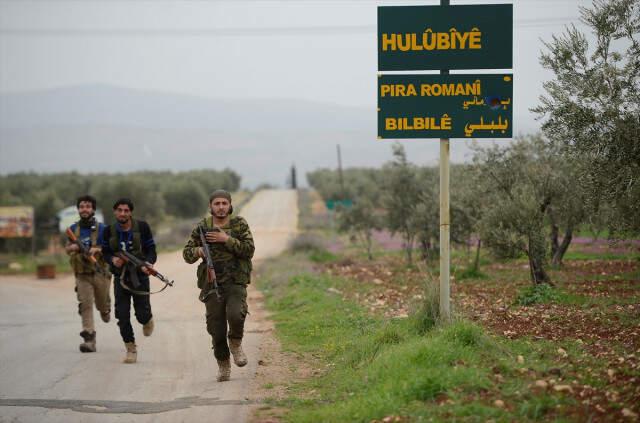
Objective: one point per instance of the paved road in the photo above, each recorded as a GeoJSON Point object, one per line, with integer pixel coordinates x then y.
{"type": "Point", "coordinates": [43, 376]}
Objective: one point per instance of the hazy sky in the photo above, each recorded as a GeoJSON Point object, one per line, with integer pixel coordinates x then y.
{"type": "Point", "coordinates": [318, 50]}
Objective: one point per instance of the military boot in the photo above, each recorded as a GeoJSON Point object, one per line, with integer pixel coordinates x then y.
{"type": "Point", "coordinates": [235, 346]}
{"type": "Point", "coordinates": [89, 344]}
{"type": "Point", "coordinates": [132, 353]}
{"type": "Point", "coordinates": [105, 316]}
{"type": "Point", "coordinates": [147, 328]}
{"type": "Point", "coordinates": [224, 370]}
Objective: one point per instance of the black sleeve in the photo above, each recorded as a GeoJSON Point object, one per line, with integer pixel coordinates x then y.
{"type": "Point", "coordinates": [148, 244]}
{"type": "Point", "coordinates": [106, 248]}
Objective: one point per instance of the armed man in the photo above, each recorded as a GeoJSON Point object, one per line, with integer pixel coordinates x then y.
{"type": "Point", "coordinates": [90, 269]}
{"type": "Point", "coordinates": [130, 282]}
{"type": "Point", "coordinates": [223, 282]}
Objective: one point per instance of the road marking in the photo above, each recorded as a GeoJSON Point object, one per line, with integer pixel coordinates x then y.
{"type": "Point", "coordinates": [121, 407]}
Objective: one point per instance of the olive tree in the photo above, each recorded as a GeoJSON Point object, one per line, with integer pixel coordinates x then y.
{"type": "Point", "coordinates": [592, 106]}
{"type": "Point", "coordinates": [520, 183]}
{"type": "Point", "coordinates": [401, 198]}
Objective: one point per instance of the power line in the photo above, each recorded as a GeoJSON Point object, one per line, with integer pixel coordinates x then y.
{"type": "Point", "coordinates": [386, 2]}
{"type": "Point", "coordinates": [239, 32]}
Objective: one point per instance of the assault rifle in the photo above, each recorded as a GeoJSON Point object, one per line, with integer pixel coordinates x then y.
{"type": "Point", "coordinates": [137, 264]}
{"type": "Point", "coordinates": [212, 282]}
{"type": "Point", "coordinates": [85, 251]}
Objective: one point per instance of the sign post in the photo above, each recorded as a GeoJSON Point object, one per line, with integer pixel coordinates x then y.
{"type": "Point", "coordinates": [445, 227]}
{"type": "Point", "coordinates": [445, 106]}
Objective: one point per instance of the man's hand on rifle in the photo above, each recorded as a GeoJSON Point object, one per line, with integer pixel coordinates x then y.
{"type": "Point", "coordinates": [146, 269]}
{"type": "Point", "coordinates": [72, 247]}
{"type": "Point", "coordinates": [94, 250]}
{"type": "Point", "coordinates": [117, 261]}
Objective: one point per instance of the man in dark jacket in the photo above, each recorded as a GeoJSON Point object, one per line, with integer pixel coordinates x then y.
{"type": "Point", "coordinates": [129, 282]}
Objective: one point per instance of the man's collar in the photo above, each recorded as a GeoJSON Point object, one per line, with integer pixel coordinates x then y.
{"type": "Point", "coordinates": [121, 229]}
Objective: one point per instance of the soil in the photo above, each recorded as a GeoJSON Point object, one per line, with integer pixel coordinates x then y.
{"type": "Point", "coordinates": [605, 325]}
{"type": "Point", "coordinates": [277, 369]}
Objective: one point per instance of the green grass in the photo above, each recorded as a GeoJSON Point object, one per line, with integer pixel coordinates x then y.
{"type": "Point", "coordinates": [375, 367]}
{"type": "Point", "coordinates": [599, 255]}
{"type": "Point", "coordinates": [469, 273]}
{"type": "Point", "coordinates": [322, 256]}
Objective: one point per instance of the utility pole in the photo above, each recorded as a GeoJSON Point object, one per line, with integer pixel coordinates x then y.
{"type": "Point", "coordinates": [294, 181]}
{"type": "Point", "coordinates": [344, 196]}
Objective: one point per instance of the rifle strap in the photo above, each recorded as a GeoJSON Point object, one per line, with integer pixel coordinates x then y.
{"type": "Point", "coordinates": [94, 233]}
{"type": "Point", "coordinates": [135, 291]}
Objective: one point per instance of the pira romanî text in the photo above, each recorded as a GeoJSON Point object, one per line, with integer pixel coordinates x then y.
{"type": "Point", "coordinates": [431, 90]}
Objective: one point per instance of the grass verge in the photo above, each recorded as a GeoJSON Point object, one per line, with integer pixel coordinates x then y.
{"type": "Point", "coordinates": [369, 368]}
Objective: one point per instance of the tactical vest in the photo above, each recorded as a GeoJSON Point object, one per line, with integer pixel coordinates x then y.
{"type": "Point", "coordinates": [136, 243]}
{"type": "Point", "coordinates": [228, 267]}
{"type": "Point", "coordinates": [79, 264]}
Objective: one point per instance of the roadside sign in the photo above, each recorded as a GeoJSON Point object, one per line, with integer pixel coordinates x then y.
{"type": "Point", "coordinates": [445, 106]}
{"type": "Point", "coordinates": [445, 37]}
{"type": "Point", "coordinates": [334, 204]}
{"type": "Point", "coordinates": [16, 222]}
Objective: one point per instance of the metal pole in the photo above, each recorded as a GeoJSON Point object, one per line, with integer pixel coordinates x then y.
{"type": "Point", "coordinates": [340, 173]}
{"type": "Point", "coordinates": [445, 311]}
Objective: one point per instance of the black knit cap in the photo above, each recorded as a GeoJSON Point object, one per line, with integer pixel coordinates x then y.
{"type": "Point", "coordinates": [219, 193]}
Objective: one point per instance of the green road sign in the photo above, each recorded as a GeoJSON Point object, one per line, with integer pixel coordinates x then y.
{"type": "Point", "coordinates": [334, 204]}
{"type": "Point", "coordinates": [445, 37]}
{"type": "Point", "coordinates": [445, 106]}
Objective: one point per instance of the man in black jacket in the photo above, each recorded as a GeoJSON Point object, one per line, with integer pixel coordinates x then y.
{"type": "Point", "coordinates": [135, 237]}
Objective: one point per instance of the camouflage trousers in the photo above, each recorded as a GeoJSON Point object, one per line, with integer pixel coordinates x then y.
{"type": "Point", "coordinates": [92, 289]}
{"type": "Point", "coordinates": [225, 318]}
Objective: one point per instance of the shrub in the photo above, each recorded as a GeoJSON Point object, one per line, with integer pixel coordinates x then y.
{"type": "Point", "coordinates": [542, 293]}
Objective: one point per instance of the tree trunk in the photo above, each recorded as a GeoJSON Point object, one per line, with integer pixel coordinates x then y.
{"type": "Point", "coordinates": [555, 230]}
{"type": "Point", "coordinates": [562, 249]}
{"type": "Point", "coordinates": [424, 246]}
{"type": "Point", "coordinates": [538, 274]}
{"type": "Point", "coordinates": [408, 247]}
{"type": "Point", "coordinates": [536, 253]}
{"type": "Point", "coordinates": [368, 244]}
{"type": "Point", "coordinates": [408, 251]}
{"type": "Point", "coordinates": [476, 264]}
{"type": "Point", "coordinates": [554, 239]}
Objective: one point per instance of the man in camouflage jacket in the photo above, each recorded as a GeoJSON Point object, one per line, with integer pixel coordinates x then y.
{"type": "Point", "coordinates": [230, 243]}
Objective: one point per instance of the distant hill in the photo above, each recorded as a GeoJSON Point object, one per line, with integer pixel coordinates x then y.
{"type": "Point", "coordinates": [106, 105]}
{"type": "Point", "coordinates": [105, 128]}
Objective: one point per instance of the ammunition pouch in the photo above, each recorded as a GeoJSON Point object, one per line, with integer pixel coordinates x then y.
{"type": "Point", "coordinates": [202, 274]}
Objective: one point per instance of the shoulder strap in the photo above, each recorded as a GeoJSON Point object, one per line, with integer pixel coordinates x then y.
{"type": "Point", "coordinates": [137, 237]}
{"type": "Point", "coordinates": [94, 235]}
{"type": "Point", "coordinates": [113, 238]}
